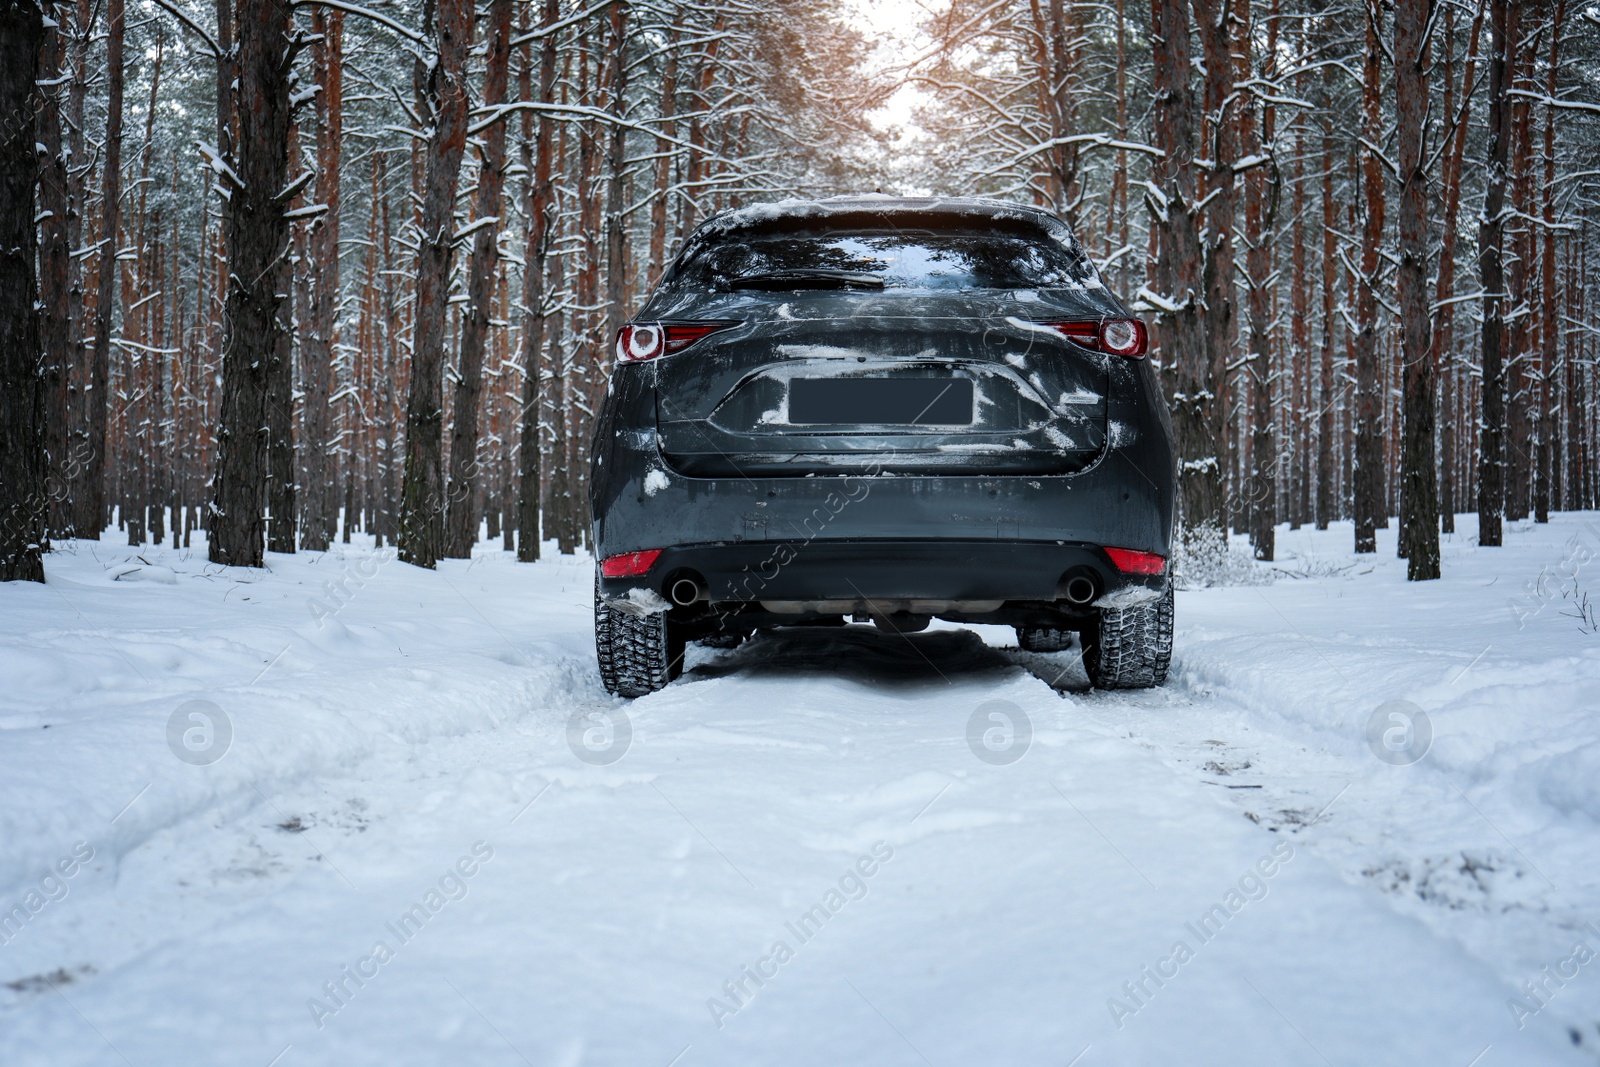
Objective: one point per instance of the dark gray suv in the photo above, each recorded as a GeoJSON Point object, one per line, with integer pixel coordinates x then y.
{"type": "Point", "coordinates": [886, 410]}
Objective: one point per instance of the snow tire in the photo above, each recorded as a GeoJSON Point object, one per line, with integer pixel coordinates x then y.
{"type": "Point", "coordinates": [1130, 648]}
{"type": "Point", "coordinates": [638, 653]}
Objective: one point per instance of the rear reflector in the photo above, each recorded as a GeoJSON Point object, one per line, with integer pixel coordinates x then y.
{"type": "Point", "coordinates": [629, 564]}
{"type": "Point", "coordinates": [1130, 561]}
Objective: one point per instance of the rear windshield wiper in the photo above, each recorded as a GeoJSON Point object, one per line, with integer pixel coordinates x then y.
{"type": "Point", "coordinates": [778, 280]}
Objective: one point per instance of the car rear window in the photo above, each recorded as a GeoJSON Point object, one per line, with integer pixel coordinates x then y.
{"type": "Point", "coordinates": [901, 258]}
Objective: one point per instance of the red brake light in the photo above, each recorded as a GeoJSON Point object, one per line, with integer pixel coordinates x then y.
{"type": "Point", "coordinates": [681, 335]}
{"type": "Point", "coordinates": [629, 564]}
{"type": "Point", "coordinates": [1131, 561]}
{"type": "Point", "coordinates": [637, 342]}
{"type": "Point", "coordinates": [1120, 337]}
{"type": "Point", "coordinates": [1124, 337]}
{"type": "Point", "coordinates": [641, 342]}
{"type": "Point", "coordinates": [1086, 334]}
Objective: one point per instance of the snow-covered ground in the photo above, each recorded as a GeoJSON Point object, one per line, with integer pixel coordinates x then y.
{"type": "Point", "coordinates": [350, 812]}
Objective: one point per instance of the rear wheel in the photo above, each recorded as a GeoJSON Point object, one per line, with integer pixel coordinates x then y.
{"type": "Point", "coordinates": [1043, 639]}
{"type": "Point", "coordinates": [1131, 647]}
{"type": "Point", "coordinates": [639, 653]}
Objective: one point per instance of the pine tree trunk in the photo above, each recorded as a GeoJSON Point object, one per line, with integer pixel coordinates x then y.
{"type": "Point", "coordinates": [664, 164]}
{"type": "Point", "coordinates": [586, 322]}
{"type": "Point", "coordinates": [536, 191]}
{"type": "Point", "coordinates": [1256, 131]}
{"type": "Point", "coordinates": [320, 507]}
{"type": "Point", "coordinates": [1218, 311]}
{"type": "Point", "coordinates": [388, 499]}
{"type": "Point", "coordinates": [1577, 496]}
{"type": "Point", "coordinates": [1549, 320]}
{"type": "Point", "coordinates": [694, 168]}
{"type": "Point", "coordinates": [1444, 325]}
{"type": "Point", "coordinates": [23, 503]}
{"type": "Point", "coordinates": [281, 504]}
{"type": "Point", "coordinates": [1491, 251]}
{"type": "Point", "coordinates": [1368, 471]}
{"type": "Point", "coordinates": [55, 267]}
{"type": "Point", "coordinates": [1518, 441]}
{"type": "Point", "coordinates": [1173, 203]}
{"type": "Point", "coordinates": [1299, 362]}
{"type": "Point", "coordinates": [422, 493]}
{"type": "Point", "coordinates": [615, 231]}
{"type": "Point", "coordinates": [77, 181]}
{"type": "Point", "coordinates": [91, 518]}
{"type": "Point", "coordinates": [461, 522]}
{"type": "Point", "coordinates": [1328, 439]}
{"type": "Point", "coordinates": [1419, 526]}
{"type": "Point", "coordinates": [258, 239]}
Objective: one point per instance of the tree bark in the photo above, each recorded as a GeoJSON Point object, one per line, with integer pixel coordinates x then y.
{"type": "Point", "coordinates": [664, 164]}
{"type": "Point", "coordinates": [558, 494]}
{"type": "Point", "coordinates": [388, 499]}
{"type": "Point", "coordinates": [1328, 441]}
{"type": "Point", "coordinates": [23, 503]}
{"type": "Point", "coordinates": [422, 493]}
{"type": "Point", "coordinates": [616, 233]}
{"type": "Point", "coordinates": [461, 522]}
{"type": "Point", "coordinates": [1054, 94]}
{"type": "Point", "coordinates": [55, 272]}
{"type": "Point", "coordinates": [320, 507]}
{"type": "Point", "coordinates": [1549, 320]}
{"type": "Point", "coordinates": [281, 487]}
{"type": "Point", "coordinates": [1256, 133]}
{"type": "Point", "coordinates": [586, 319]}
{"type": "Point", "coordinates": [91, 519]}
{"type": "Point", "coordinates": [1368, 471]}
{"type": "Point", "coordinates": [1576, 482]}
{"type": "Point", "coordinates": [1419, 527]}
{"type": "Point", "coordinates": [1444, 324]}
{"type": "Point", "coordinates": [536, 191]}
{"type": "Point", "coordinates": [694, 168]}
{"type": "Point", "coordinates": [617, 288]}
{"type": "Point", "coordinates": [77, 181]}
{"type": "Point", "coordinates": [258, 238]}
{"type": "Point", "coordinates": [1173, 203]}
{"type": "Point", "coordinates": [1504, 19]}
{"type": "Point", "coordinates": [1299, 362]}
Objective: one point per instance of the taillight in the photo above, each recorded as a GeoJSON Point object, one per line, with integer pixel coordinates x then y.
{"type": "Point", "coordinates": [638, 342]}
{"type": "Point", "coordinates": [1123, 337]}
{"type": "Point", "coordinates": [1086, 334]}
{"type": "Point", "coordinates": [629, 564]}
{"type": "Point", "coordinates": [1132, 561]}
{"type": "Point", "coordinates": [1120, 337]}
{"type": "Point", "coordinates": [635, 343]}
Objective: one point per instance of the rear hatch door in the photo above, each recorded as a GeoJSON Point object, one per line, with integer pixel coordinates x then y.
{"type": "Point", "coordinates": [903, 382]}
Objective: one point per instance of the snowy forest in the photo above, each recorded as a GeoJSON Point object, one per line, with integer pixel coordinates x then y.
{"type": "Point", "coordinates": [288, 270]}
{"type": "Point", "coordinates": [631, 533]}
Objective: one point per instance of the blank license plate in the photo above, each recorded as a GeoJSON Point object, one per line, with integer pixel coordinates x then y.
{"type": "Point", "coordinates": [881, 401]}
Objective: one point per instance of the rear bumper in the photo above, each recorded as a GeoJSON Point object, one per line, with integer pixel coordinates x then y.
{"type": "Point", "coordinates": [1124, 500]}
{"type": "Point", "coordinates": [879, 576]}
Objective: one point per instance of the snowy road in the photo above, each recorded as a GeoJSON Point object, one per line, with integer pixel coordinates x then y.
{"type": "Point", "coordinates": [817, 848]}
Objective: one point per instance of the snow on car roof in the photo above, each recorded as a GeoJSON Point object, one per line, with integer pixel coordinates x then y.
{"type": "Point", "coordinates": [755, 215]}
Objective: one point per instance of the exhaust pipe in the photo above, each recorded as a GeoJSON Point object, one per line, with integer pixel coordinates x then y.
{"type": "Point", "coordinates": [1080, 590]}
{"type": "Point", "coordinates": [685, 590]}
